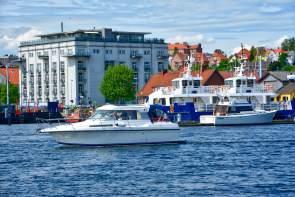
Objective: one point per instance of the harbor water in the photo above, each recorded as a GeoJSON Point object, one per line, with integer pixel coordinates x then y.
{"type": "Point", "coordinates": [218, 161]}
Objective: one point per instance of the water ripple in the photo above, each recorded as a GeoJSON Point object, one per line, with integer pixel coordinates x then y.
{"type": "Point", "coordinates": [218, 161]}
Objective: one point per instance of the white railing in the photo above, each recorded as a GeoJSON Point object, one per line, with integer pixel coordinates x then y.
{"type": "Point", "coordinates": [216, 90]}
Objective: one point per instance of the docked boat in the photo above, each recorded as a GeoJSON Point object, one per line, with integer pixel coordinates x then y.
{"type": "Point", "coordinates": [237, 113]}
{"type": "Point", "coordinates": [189, 99]}
{"type": "Point", "coordinates": [118, 125]}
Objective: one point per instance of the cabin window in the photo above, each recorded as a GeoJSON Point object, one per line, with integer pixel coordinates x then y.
{"type": "Point", "coordinates": [142, 116]}
{"type": "Point", "coordinates": [229, 83]}
{"type": "Point", "coordinates": [196, 83]}
{"type": "Point", "coordinates": [175, 84]}
{"type": "Point", "coordinates": [250, 83]}
{"type": "Point", "coordinates": [239, 83]}
{"type": "Point", "coordinates": [190, 83]}
{"type": "Point", "coordinates": [243, 82]}
{"type": "Point", "coordinates": [184, 83]}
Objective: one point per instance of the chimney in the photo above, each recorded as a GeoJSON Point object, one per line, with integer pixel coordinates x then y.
{"type": "Point", "coordinates": [62, 26]}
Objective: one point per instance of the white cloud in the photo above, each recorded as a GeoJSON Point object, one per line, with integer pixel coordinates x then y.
{"type": "Point", "coordinates": [198, 38]}
{"type": "Point", "coordinates": [11, 41]}
{"type": "Point", "coordinates": [269, 9]}
{"type": "Point", "coordinates": [237, 49]}
{"type": "Point", "coordinates": [279, 41]}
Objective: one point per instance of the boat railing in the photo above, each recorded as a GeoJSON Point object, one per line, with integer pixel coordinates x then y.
{"type": "Point", "coordinates": [43, 123]}
{"type": "Point", "coordinates": [267, 107]}
{"type": "Point", "coordinates": [204, 108]}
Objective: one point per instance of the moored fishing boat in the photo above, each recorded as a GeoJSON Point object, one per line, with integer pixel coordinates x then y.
{"type": "Point", "coordinates": [234, 113]}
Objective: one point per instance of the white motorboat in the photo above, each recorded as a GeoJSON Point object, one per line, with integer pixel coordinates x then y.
{"type": "Point", "coordinates": [231, 113]}
{"type": "Point", "coordinates": [118, 125]}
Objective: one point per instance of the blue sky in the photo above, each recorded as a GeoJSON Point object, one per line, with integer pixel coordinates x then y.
{"type": "Point", "coordinates": [216, 24]}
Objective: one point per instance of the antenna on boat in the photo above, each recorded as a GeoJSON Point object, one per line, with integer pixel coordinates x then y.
{"type": "Point", "coordinates": [188, 66]}
{"type": "Point", "coordinates": [243, 61]}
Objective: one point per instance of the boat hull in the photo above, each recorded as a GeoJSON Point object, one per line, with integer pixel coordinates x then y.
{"type": "Point", "coordinates": [116, 137]}
{"type": "Point", "coordinates": [239, 119]}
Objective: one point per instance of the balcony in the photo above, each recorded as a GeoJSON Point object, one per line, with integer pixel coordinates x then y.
{"type": "Point", "coordinates": [44, 56]}
{"type": "Point", "coordinates": [81, 68]}
{"type": "Point", "coordinates": [135, 56]}
{"type": "Point", "coordinates": [83, 80]}
{"type": "Point", "coordinates": [76, 54]}
{"type": "Point", "coordinates": [162, 56]}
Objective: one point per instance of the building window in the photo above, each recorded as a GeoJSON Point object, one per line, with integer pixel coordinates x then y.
{"type": "Point", "coordinates": [121, 51]}
{"type": "Point", "coordinates": [80, 77]}
{"type": "Point", "coordinates": [39, 53]}
{"type": "Point", "coordinates": [108, 64]}
{"type": "Point", "coordinates": [70, 51]}
{"type": "Point", "coordinates": [121, 63]}
{"type": "Point", "coordinates": [147, 71]}
{"type": "Point", "coordinates": [96, 51]}
{"type": "Point", "coordinates": [81, 89]}
{"type": "Point", "coordinates": [39, 67]}
{"type": "Point", "coordinates": [62, 52]}
{"type": "Point", "coordinates": [133, 53]}
{"type": "Point", "coordinates": [31, 68]}
{"type": "Point", "coordinates": [53, 52]}
{"type": "Point", "coordinates": [134, 67]}
{"type": "Point", "coordinates": [53, 67]}
{"type": "Point", "coordinates": [147, 67]}
{"type": "Point", "coordinates": [31, 54]}
{"type": "Point", "coordinates": [147, 52]}
{"type": "Point", "coordinates": [146, 77]}
{"type": "Point", "coordinates": [62, 66]}
{"type": "Point", "coordinates": [160, 66]}
{"type": "Point", "coordinates": [108, 51]}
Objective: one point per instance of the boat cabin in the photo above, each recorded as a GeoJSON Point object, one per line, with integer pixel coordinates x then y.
{"type": "Point", "coordinates": [186, 85]}
{"type": "Point", "coordinates": [130, 112]}
{"type": "Point", "coordinates": [241, 84]}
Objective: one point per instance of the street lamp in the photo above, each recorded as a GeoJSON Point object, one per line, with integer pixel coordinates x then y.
{"type": "Point", "coordinates": [7, 85]}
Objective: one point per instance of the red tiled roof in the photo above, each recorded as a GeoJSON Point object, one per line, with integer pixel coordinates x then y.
{"type": "Point", "coordinates": [219, 55]}
{"type": "Point", "coordinates": [13, 75]}
{"type": "Point", "coordinates": [158, 80]}
{"type": "Point", "coordinates": [226, 74]}
{"type": "Point", "coordinates": [245, 52]}
{"type": "Point", "coordinates": [178, 46]}
{"type": "Point", "coordinates": [279, 50]}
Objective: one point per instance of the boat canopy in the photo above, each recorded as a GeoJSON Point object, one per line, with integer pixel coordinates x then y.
{"type": "Point", "coordinates": [108, 107]}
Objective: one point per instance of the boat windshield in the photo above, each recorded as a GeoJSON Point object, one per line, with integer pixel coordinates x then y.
{"type": "Point", "coordinates": [120, 115]}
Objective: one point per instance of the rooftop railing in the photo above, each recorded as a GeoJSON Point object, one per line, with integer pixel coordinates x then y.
{"type": "Point", "coordinates": [91, 39]}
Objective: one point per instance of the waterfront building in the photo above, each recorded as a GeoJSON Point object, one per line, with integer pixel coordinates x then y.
{"type": "Point", "coordinates": [69, 66]}
{"type": "Point", "coordinates": [275, 79]}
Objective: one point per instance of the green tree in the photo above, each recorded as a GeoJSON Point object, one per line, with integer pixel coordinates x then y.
{"type": "Point", "coordinates": [13, 93]}
{"type": "Point", "coordinates": [224, 65]}
{"type": "Point", "coordinates": [117, 84]}
{"type": "Point", "coordinates": [283, 59]}
{"type": "Point", "coordinates": [281, 64]}
{"type": "Point", "coordinates": [252, 54]}
{"type": "Point", "coordinates": [288, 44]}
{"type": "Point", "coordinates": [196, 67]}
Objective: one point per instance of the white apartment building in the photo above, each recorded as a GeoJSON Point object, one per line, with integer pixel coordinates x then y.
{"type": "Point", "coordinates": [68, 66]}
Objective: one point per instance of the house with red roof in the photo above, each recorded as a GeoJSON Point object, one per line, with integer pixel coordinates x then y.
{"type": "Point", "coordinates": [179, 52]}
{"type": "Point", "coordinates": [216, 57]}
{"type": "Point", "coordinates": [13, 75]}
{"type": "Point", "coordinates": [244, 52]}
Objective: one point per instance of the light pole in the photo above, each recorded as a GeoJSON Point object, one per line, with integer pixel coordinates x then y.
{"type": "Point", "coordinates": [7, 86]}
{"type": "Point", "coordinates": [72, 91]}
